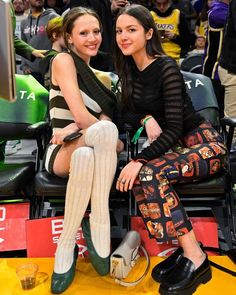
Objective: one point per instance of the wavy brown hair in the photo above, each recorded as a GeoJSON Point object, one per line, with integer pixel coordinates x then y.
{"type": "Point", "coordinates": [125, 64]}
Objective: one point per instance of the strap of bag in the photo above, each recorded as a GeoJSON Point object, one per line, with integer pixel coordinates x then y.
{"type": "Point", "coordinates": [228, 253]}
{"type": "Point", "coordinates": [131, 284]}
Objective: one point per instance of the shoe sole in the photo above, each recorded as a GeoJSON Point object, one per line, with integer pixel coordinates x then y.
{"type": "Point", "coordinates": [206, 277]}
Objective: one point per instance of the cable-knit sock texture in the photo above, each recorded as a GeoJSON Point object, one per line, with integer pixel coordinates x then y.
{"type": "Point", "coordinates": [77, 198]}
{"type": "Point", "coordinates": [103, 137]}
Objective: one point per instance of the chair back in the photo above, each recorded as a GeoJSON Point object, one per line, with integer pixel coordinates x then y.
{"type": "Point", "coordinates": [201, 92]}
{"type": "Point", "coordinates": [192, 63]}
{"type": "Point", "coordinates": [31, 106]}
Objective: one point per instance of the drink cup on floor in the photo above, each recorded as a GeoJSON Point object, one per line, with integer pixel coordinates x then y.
{"type": "Point", "coordinates": [27, 274]}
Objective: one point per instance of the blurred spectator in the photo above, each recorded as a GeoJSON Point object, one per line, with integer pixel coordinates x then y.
{"type": "Point", "coordinates": [202, 21]}
{"type": "Point", "coordinates": [56, 5]}
{"type": "Point", "coordinates": [27, 6]}
{"type": "Point", "coordinates": [199, 45]}
{"type": "Point", "coordinates": [54, 31]}
{"type": "Point", "coordinates": [117, 4]}
{"type": "Point", "coordinates": [65, 6]}
{"type": "Point", "coordinates": [227, 64]}
{"type": "Point", "coordinates": [173, 28]}
{"type": "Point", "coordinates": [146, 3]}
{"type": "Point", "coordinates": [197, 5]}
{"type": "Point", "coordinates": [33, 31]}
{"type": "Point", "coordinates": [19, 9]}
{"type": "Point", "coordinates": [186, 7]}
{"type": "Point", "coordinates": [217, 17]}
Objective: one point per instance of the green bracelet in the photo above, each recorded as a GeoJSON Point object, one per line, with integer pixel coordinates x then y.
{"type": "Point", "coordinates": [139, 131]}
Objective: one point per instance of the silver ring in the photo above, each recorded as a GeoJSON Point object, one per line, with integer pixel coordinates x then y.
{"type": "Point", "coordinates": [123, 181]}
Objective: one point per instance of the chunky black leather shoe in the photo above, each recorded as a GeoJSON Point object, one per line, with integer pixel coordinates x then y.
{"type": "Point", "coordinates": [61, 281]}
{"type": "Point", "coordinates": [185, 279]}
{"type": "Point", "coordinates": [101, 265]}
{"type": "Point", "coordinates": [163, 269]}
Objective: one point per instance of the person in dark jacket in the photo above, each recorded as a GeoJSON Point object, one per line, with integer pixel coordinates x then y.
{"type": "Point", "coordinates": [217, 17]}
{"type": "Point", "coordinates": [227, 63]}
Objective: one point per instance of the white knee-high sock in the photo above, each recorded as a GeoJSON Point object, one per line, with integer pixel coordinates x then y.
{"type": "Point", "coordinates": [78, 194]}
{"type": "Point", "coordinates": [103, 137]}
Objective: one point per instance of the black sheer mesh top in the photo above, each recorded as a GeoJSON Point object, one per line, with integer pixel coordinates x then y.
{"type": "Point", "coordinates": [159, 90]}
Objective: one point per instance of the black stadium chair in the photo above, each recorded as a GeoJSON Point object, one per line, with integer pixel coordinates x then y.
{"type": "Point", "coordinates": [192, 63]}
{"type": "Point", "coordinates": [22, 119]}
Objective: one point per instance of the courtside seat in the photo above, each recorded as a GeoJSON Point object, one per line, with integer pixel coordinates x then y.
{"type": "Point", "coordinates": [50, 185]}
{"type": "Point", "coordinates": [192, 63]}
{"type": "Point", "coordinates": [15, 177]}
{"type": "Point", "coordinates": [23, 119]}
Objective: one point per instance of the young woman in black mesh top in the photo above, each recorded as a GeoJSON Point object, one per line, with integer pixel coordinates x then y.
{"type": "Point", "coordinates": [183, 148]}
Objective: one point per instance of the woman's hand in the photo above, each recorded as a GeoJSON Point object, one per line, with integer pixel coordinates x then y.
{"type": "Point", "coordinates": [119, 146]}
{"type": "Point", "coordinates": [58, 136]}
{"type": "Point", "coordinates": [117, 4]}
{"type": "Point", "coordinates": [170, 35]}
{"type": "Point", "coordinates": [153, 130]}
{"type": "Point", "coordinates": [128, 175]}
{"type": "Point", "coordinates": [27, 70]}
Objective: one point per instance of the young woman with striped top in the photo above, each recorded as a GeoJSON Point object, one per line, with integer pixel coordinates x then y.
{"type": "Point", "coordinates": [80, 103]}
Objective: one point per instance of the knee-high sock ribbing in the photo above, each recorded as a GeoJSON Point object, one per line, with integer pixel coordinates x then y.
{"type": "Point", "coordinates": [103, 137]}
{"type": "Point", "coordinates": [77, 198]}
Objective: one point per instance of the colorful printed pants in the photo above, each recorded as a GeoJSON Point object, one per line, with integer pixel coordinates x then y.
{"type": "Point", "coordinates": [200, 155]}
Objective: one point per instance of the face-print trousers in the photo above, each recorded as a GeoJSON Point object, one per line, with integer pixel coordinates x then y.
{"type": "Point", "coordinates": [201, 154]}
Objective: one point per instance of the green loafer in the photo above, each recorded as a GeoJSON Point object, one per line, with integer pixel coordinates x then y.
{"type": "Point", "coordinates": [61, 281]}
{"type": "Point", "coordinates": [101, 265]}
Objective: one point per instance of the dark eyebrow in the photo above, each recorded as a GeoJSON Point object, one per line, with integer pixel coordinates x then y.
{"type": "Point", "coordinates": [127, 27]}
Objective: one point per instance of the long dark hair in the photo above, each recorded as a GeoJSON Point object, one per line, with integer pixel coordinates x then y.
{"type": "Point", "coordinates": [125, 64]}
{"type": "Point", "coordinates": [70, 18]}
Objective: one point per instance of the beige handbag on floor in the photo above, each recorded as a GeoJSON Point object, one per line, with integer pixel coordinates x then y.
{"type": "Point", "coordinates": [124, 258]}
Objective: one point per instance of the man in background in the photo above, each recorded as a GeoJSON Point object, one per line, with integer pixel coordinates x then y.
{"type": "Point", "coordinates": [173, 27]}
{"type": "Point", "coordinates": [33, 32]}
{"type": "Point", "coordinates": [217, 18]}
{"type": "Point", "coordinates": [227, 65]}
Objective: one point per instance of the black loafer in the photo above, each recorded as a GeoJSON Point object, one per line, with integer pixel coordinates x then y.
{"type": "Point", "coordinates": [163, 269]}
{"type": "Point", "coordinates": [185, 279]}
